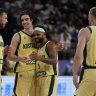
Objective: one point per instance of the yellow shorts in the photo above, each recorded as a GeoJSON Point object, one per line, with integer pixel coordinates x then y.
{"type": "Point", "coordinates": [46, 86]}
{"type": "Point", "coordinates": [25, 84]}
{"type": "Point", "coordinates": [87, 86]}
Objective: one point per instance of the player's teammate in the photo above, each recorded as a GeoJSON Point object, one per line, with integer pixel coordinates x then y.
{"type": "Point", "coordinates": [86, 51]}
{"type": "Point", "coordinates": [46, 64]}
{"type": "Point", "coordinates": [24, 44]}
{"type": "Point", "coordinates": [3, 22]}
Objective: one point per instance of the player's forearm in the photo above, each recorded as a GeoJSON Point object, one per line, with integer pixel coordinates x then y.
{"type": "Point", "coordinates": [49, 61]}
{"type": "Point", "coordinates": [13, 57]}
{"type": "Point", "coordinates": [76, 65]}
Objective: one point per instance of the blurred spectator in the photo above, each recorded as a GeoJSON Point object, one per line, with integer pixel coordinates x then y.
{"type": "Point", "coordinates": [67, 71]}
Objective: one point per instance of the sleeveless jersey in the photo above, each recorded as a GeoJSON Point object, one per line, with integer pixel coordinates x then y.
{"type": "Point", "coordinates": [1, 52]}
{"type": "Point", "coordinates": [44, 69]}
{"type": "Point", "coordinates": [25, 48]}
{"type": "Point", "coordinates": [89, 56]}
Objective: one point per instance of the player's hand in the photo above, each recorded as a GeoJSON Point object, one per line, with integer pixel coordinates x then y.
{"type": "Point", "coordinates": [33, 55]}
{"type": "Point", "coordinates": [24, 59]}
{"type": "Point", "coordinates": [75, 81]}
{"type": "Point", "coordinates": [60, 46]}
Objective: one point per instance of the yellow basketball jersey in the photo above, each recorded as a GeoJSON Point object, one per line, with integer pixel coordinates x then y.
{"type": "Point", "coordinates": [1, 51]}
{"type": "Point", "coordinates": [26, 47]}
{"type": "Point", "coordinates": [44, 69]}
{"type": "Point", "coordinates": [89, 55]}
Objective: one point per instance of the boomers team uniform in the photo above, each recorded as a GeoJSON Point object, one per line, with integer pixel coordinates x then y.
{"type": "Point", "coordinates": [1, 58]}
{"type": "Point", "coordinates": [25, 73]}
{"type": "Point", "coordinates": [88, 74]}
{"type": "Point", "coordinates": [46, 75]}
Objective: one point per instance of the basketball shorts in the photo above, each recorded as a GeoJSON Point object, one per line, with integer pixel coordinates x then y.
{"type": "Point", "coordinates": [25, 83]}
{"type": "Point", "coordinates": [46, 86]}
{"type": "Point", "coordinates": [87, 86]}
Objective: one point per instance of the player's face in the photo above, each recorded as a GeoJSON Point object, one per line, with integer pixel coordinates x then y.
{"type": "Point", "coordinates": [38, 36]}
{"type": "Point", "coordinates": [26, 21]}
{"type": "Point", "coordinates": [3, 20]}
{"type": "Point", "coordinates": [91, 19]}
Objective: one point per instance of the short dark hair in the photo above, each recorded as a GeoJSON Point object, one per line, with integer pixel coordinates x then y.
{"type": "Point", "coordinates": [2, 11]}
{"type": "Point", "coordinates": [29, 13]}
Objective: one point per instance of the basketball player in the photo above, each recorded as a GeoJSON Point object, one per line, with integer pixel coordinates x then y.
{"type": "Point", "coordinates": [24, 44]}
{"type": "Point", "coordinates": [86, 50]}
{"type": "Point", "coordinates": [3, 22]}
{"type": "Point", "coordinates": [46, 64]}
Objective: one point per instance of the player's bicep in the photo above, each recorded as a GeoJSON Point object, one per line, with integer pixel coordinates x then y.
{"type": "Point", "coordinates": [14, 43]}
{"type": "Point", "coordinates": [51, 50]}
{"type": "Point", "coordinates": [81, 42]}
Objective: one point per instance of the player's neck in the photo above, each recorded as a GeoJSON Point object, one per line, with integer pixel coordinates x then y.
{"type": "Point", "coordinates": [29, 31]}
{"type": "Point", "coordinates": [42, 43]}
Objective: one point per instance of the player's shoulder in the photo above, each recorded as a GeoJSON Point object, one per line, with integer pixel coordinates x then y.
{"type": "Point", "coordinates": [88, 28]}
{"type": "Point", "coordinates": [17, 36]}
{"type": "Point", "coordinates": [50, 44]}
{"type": "Point", "coordinates": [18, 33]}
{"type": "Point", "coordinates": [85, 33]}
{"type": "Point", "coordinates": [85, 30]}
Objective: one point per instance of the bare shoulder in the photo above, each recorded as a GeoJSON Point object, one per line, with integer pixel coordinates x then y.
{"type": "Point", "coordinates": [51, 44]}
{"type": "Point", "coordinates": [84, 32]}
{"type": "Point", "coordinates": [15, 36]}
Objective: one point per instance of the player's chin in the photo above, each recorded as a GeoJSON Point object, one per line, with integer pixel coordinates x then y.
{"type": "Point", "coordinates": [4, 26]}
{"type": "Point", "coordinates": [37, 40]}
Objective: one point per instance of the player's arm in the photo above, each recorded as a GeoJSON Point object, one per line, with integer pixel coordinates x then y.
{"type": "Point", "coordinates": [12, 49]}
{"type": "Point", "coordinates": [52, 53]}
{"type": "Point", "coordinates": [82, 39]}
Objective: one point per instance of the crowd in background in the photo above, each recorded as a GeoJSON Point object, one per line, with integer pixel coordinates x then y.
{"type": "Point", "coordinates": [62, 19]}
